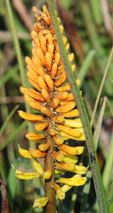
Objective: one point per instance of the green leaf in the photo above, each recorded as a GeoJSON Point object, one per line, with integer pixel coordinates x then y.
{"type": "Point", "coordinates": [83, 115]}
{"type": "Point", "coordinates": [99, 122]}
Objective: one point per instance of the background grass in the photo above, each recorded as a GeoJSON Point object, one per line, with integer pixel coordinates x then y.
{"type": "Point", "coordinates": [91, 41]}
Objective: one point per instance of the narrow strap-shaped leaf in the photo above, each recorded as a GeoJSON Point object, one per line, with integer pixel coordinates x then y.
{"type": "Point", "coordinates": [83, 114]}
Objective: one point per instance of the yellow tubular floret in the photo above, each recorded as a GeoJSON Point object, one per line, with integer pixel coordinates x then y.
{"type": "Point", "coordinates": [74, 181]}
{"type": "Point", "coordinates": [46, 95]}
{"type": "Point", "coordinates": [73, 132]}
{"type": "Point", "coordinates": [24, 153]}
{"type": "Point", "coordinates": [44, 147]}
{"type": "Point", "coordinates": [37, 153]}
{"type": "Point", "coordinates": [29, 116]}
{"type": "Point", "coordinates": [72, 168]}
{"type": "Point", "coordinates": [41, 126]}
{"type": "Point", "coordinates": [26, 176]}
{"type": "Point", "coordinates": [49, 82]}
{"type": "Point", "coordinates": [37, 166]}
{"type": "Point", "coordinates": [73, 123]}
{"type": "Point", "coordinates": [68, 107]}
{"type": "Point", "coordinates": [78, 150]}
{"type": "Point", "coordinates": [81, 138]}
{"type": "Point", "coordinates": [35, 137]}
{"type": "Point", "coordinates": [73, 113]}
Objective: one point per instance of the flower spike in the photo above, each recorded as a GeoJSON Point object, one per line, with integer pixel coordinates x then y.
{"type": "Point", "coordinates": [58, 121]}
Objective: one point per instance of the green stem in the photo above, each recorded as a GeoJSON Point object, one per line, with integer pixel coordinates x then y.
{"type": "Point", "coordinates": [83, 115]}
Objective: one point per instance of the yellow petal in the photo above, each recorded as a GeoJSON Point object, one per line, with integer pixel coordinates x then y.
{"type": "Point", "coordinates": [37, 166]}
{"type": "Point", "coordinates": [24, 153]}
{"type": "Point", "coordinates": [40, 202]}
{"type": "Point", "coordinates": [74, 181]}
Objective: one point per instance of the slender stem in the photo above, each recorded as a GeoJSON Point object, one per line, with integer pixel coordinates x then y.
{"type": "Point", "coordinates": [49, 190]}
{"type": "Point", "coordinates": [83, 115]}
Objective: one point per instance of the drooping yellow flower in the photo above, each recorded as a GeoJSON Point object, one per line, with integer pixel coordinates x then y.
{"type": "Point", "coordinates": [59, 117]}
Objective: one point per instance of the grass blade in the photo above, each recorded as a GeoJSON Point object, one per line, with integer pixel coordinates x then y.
{"type": "Point", "coordinates": [83, 115]}
{"type": "Point", "coordinates": [99, 122]}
